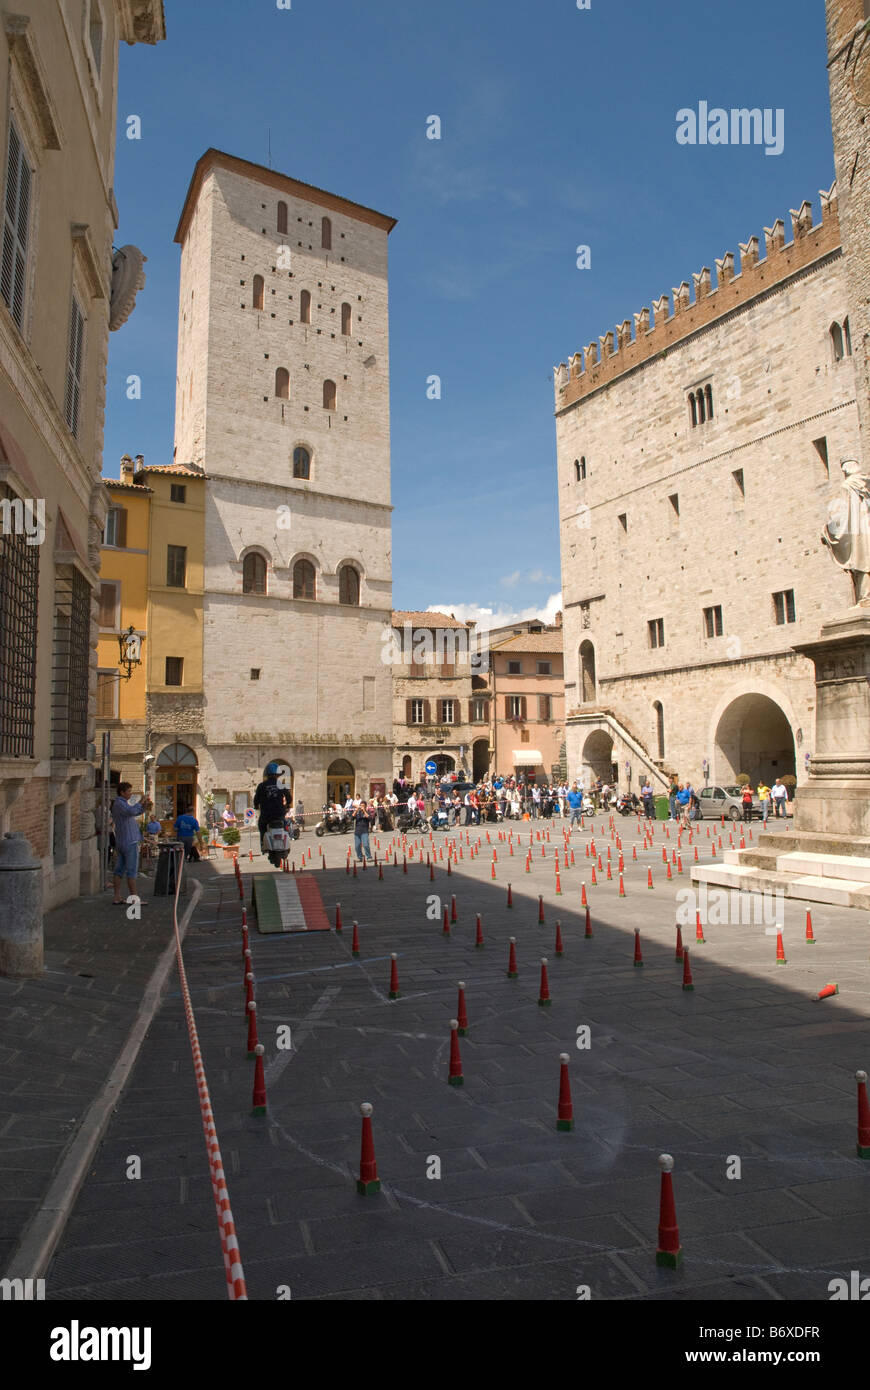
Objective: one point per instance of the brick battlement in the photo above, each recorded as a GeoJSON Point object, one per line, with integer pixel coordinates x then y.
{"type": "Point", "coordinates": [604, 361]}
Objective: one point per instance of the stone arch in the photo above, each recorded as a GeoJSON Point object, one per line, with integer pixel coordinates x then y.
{"type": "Point", "coordinates": [753, 731]}
{"type": "Point", "coordinates": [597, 757]}
{"type": "Point", "coordinates": [479, 759]}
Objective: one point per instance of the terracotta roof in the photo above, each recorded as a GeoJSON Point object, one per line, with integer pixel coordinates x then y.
{"type": "Point", "coordinates": [418, 619]}
{"type": "Point", "coordinates": [532, 642]}
{"type": "Point", "coordinates": [186, 470]}
{"type": "Point", "coordinates": [129, 487]}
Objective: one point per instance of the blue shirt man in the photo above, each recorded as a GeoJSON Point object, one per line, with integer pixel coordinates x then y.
{"type": "Point", "coordinates": [125, 817]}
{"type": "Point", "coordinates": [187, 828]}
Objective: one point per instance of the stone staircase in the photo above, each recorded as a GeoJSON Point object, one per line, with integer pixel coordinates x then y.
{"type": "Point", "coordinates": [800, 864]}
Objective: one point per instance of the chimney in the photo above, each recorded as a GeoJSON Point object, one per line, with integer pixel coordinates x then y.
{"type": "Point", "coordinates": [126, 468]}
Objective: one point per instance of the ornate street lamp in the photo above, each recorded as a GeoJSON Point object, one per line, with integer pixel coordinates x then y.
{"type": "Point", "coordinates": [130, 644]}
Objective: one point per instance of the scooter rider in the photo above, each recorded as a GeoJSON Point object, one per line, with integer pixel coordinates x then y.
{"type": "Point", "coordinates": [273, 802]}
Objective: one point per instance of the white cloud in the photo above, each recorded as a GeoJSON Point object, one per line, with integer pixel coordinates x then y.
{"type": "Point", "coordinates": [500, 616]}
{"type": "Point", "coordinates": [510, 581]}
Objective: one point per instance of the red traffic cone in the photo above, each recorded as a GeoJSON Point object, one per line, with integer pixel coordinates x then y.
{"type": "Point", "coordinates": [453, 909]}
{"type": "Point", "coordinates": [368, 1181]}
{"type": "Point", "coordinates": [354, 945]}
{"type": "Point", "coordinates": [338, 916]}
{"type": "Point", "coordinates": [594, 880]}
{"type": "Point", "coordinates": [454, 1075]}
{"type": "Point", "coordinates": [634, 851]}
{"type": "Point", "coordinates": [565, 1112]}
{"type": "Point", "coordinates": [404, 863]}
{"type": "Point", "coordinates": [560, 949]}
{"type": "Point", "coordinates": [394, 976]}
{"type": "Point", "coordinates": [863, 1146]}
{"type": "Point", "coordinates": [688, 982]}
{"type": "Point", "coordinates": [512, 971]}
{"type": "Point", "coordinates": [479, 938]}
{"type": "Point", "coordinates": [445, 930]}
{"type": "Point", "coordinates": [621, 886]}
{"type": "Point", "coordinates": [679, 954]}
{"type": "Point", "coordinates": [510, 897]}
{"type": "Point", "coordinates": [810, 938]}
{"type": "Point", "coordinates": [249, 987]}
{"type": "Point", "coordinates": [259, 1101]}
{"type": "Point", "coordinates": [827, 992]}
{"type": "Point", "coordinates": [346, 863]}
{"type": "Point", "coordinates": [252, 1028]}
{"type": "Point", "coordinates": [696, 850]}
{"type": "Point", "coordinates": [669, 1252]}
{"type": "Point", "coordinates": [354, 868]}
{"type": "Point", "coordinates": [780, 948]}
{"type": "Point", "coordinates": [380, 871]}
{"type": "Point", "coordinates": [544, 1000]}
{"type": "Point", "coordinates": [588, 933]}
{"type": "Point", "coordinates": [461, 1015]}
{"type": "Point", "coordinates": [649, 882]}
{"type": "Point", "coordinates": [638, 958]}
{"type": "Point", "coordinates": [492, 866]}
{"type": "Point", "coordinates": [431, 873]}
{"type": "Point", "coordinates": [699, 931]}
{"type": "Point", "coordinates": [583, 899]}
{"type": "Point", "coordinates": [540, 910]}
{"type": "Point", "coordinates": [449, 867]}
{"type": "Point", "coordinates": [559, 881]}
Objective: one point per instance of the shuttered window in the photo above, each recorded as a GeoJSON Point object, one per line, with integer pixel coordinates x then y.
{"type": "Point", "coordinates": [16, 226]}
{"type": "Point", "coordinates": [74, 367]}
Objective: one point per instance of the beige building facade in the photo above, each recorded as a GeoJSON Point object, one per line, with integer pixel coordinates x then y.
{"type": "Point", "coordinates": [283, 400]}
{"type": "Point", "coordinates": [58, 301]}
{"type": "Point", "coordinates": [528, 705]}
{"type": "Point", "coordinates": [697, 458]}
{"type": "Point", "coordinates": [441, 698]}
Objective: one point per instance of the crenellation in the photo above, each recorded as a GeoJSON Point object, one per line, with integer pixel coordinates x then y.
{"type": "Point", "coordinates": [829, 203]}
{"type": "Point", "coordinates": [607, 348]}
{"type": "Point", "coordinates": [701, 282]}
{"type": "Point", "coordinates": [801, 219]}
{"type": "Point", "coordinates": [662, 311]}
{"type": "Point", "coordinates": [681, 297]}
{"type": "Point", "coordinates": [641, 323]}
{"type": "Point", "coordinates": [623, 334]}
{"type": "Point", "coordinates": [725, 269]}
{"type": "Point", "coordinates": [748, 254]}
{"type": "Point", "coordinates": [774, 238]}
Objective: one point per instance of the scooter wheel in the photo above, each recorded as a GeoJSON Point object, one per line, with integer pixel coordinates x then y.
{"type": "Point", "coordinates": [318, 830]}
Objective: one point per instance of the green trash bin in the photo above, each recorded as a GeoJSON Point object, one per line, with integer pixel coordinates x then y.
{"type": "Point", "coordinates": [663, 809]}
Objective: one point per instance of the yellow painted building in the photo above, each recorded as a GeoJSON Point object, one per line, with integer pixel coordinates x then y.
{"type": "Point", "coordinates": [152, 577]}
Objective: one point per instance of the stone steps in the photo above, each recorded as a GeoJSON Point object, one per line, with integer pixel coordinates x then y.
{"type": "Point", "coordinates": [808, 887]}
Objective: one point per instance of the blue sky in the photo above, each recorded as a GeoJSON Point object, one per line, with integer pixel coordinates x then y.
{"type": "Point", "coordinates": [558, 129]}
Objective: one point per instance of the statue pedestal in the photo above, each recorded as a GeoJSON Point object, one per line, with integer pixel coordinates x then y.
{"type": "Point", "coordinates": [836, 799]}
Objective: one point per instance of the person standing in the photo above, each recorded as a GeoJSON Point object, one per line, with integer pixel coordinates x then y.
{"type": "Point", "coordinates": [125, 818]}
{"type": "Point", "coordinates": [672, 800]}
{"type": "Point", "coordinates": [575, 805]}
{"type": "Point", "coordinates": [363, 817]}
{"type": "Point", "coordinates": [187, 829]}
{"type": "Point", "coordinates": [746, 799]}
{"type": "Point", "coordinates": [779, 797]}
{"type": "Point", "coordinates": [646, 796]}
{"type": "Point", "coordinates": [764, 798]}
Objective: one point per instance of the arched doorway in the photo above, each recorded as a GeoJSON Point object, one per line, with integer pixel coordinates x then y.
{"type": "Point", "coordinates": [340, 781]}
{"type": "Point", "coordinates": [479, 759]}
{"type": "Point", "coordinates": [755, 737]}
{"type": "Point", "coordinates": [407, 763]}
{"type": "Point", "coordinates": [176, 781]}
{"type": "Point", "coordinates": [443, 764]}
{"type": "Point", "coordinates": [587, 673]}
{"type": "Point", "coordinates": [597, 757]}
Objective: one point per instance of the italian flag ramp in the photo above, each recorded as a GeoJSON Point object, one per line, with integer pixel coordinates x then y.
{"type": "Point", "coordinates": [288, 903]}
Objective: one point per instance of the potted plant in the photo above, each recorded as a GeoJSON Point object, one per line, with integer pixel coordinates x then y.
{"type": "Point", "coordinates": [230, 837]}
{"type": "Point", "coordinates": [789, 781]}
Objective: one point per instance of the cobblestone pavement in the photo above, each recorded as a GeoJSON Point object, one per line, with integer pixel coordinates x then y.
{"type": "Point", "coordinates": [747, 1074]}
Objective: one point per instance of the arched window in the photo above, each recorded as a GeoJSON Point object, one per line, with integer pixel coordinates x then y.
{"type": "Point", "coordinates": [579, 469]}
{"type": "Point", "coordinates": [329, 395]}
{"type": "Point", "coordinates": [345, 319]}
{"type": "Point", "coordinates": [282, 384]}
{"type": "Point", "coordinates": [282, 217]}
{"type": "Point", "coordinates": [660, 727]}
{"type": "Point", "coordinates": [253, 574]}
{"type": "Point", "coordinates": [258, 291]}
{"type": "Point", "coordinates": [326, 234]}
{"type": "Point", "coordinates": [301, 463]}
{"type": "Point", "coordinates": [708, 397]}
{"type": "Point", "coordinates": [702, 414]}
{"type": "Point", "coordinates": [348, 585]}
{"type": "Point", "coordinates": [837, 341]}
{"type": "Point", "coordinates": [847, 337]}
{"type": "Point", "coordinates": [693, 409]}
{"type": "Point", "coordinates": [305, 306]}
{"type": "Point", "coordinates": [587, 673]}
{"type": "Point", "coordinates": [303, 579]}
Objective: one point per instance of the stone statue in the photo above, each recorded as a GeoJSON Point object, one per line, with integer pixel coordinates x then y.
{"type": "Point", "coordinates": [847, 534]}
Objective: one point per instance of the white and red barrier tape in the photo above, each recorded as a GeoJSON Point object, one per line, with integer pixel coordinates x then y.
{"type": "Point", "coordinates": [236, 1288]}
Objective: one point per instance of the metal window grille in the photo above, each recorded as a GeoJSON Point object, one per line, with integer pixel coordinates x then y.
{"type": "Point", "coordinates": [16, 222]}
{"type": "Point", "coordinates": [70, 667]}
{"type": "Point", "coordinates": [74, 368]}
{"type": "Point", "coordinates": [19, 594]}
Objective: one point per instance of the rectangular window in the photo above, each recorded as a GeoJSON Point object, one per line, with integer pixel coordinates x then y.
{"type": "Point", "coordinates": [115, 532]}
{"type": "Point", "coordinates": [110, 604]}
{"type": "Point", "coordinates": [545, 707]}
{"type": "Point", "coordinates": [417, 712]}
{"type": "Point", "coordinates": [16, 227]}
{"type": "Point", "coordinates": [74, 368]}
{"type": "Point", "coordinates": [713, 621]}
{"type": "Point", "coordinates": [255, 673]}
{"type": "Point", "coordinates": [478, 711]}
{"type": "Point", "coordinates": [446, 711]}
{"type": "Point", "coordinates": [783, 607]}
{"type": "Point", "coordinates": [544, 668]}
{"type": "Point", "coordinates": [70, 665]}
{"type": "Point", "coordinates": [418, 670]}
{"type": "Point", "coordinates": [177, 492]}
{"type": "Point", "coordinates": [176, 566]}
{"type": "Point", "coordinates": [515, 668]}
{"type": "Point", "coordinates": [515, 706]}
{"type": "Point", "coordinates": [174, 670]}
{"type": "Point", "coordinates": [739, 486]}
{"type": "Point", "coordinates": [107, 694]}
{"type": "Point", "coordinates": [448, 670]}
{"type": "Point", "coordinates": [60, 833]}
{"type": "Point", "coordinates": [19, 589]}
{"type": "Point", "coordinates": [656, 631]}
{"type": "Point", "coordinates": [95, 37]}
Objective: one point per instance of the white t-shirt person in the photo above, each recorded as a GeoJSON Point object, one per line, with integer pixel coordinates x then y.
{"type": "Point", "coordinates": [778, 791]}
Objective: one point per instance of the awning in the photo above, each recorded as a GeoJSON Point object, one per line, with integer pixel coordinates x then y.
{"type": "Point", "coordinates": [527, 757]}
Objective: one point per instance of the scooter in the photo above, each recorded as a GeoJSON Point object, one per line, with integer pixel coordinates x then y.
{"type": "Point", "coordinates": [336, 823]}
{"type": "Point", "coordinates": [626, 805]}
{"type": "Point", "coordinates": [292, 826]}
{"type": "Point", "coordinates": [407, 820]}
{"type": "Point", "coordinates": [440, 819]}
{"type": "Point", "coordinates": [276, 843]}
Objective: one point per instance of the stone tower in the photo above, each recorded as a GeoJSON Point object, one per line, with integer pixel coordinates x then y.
{"type": "Point", "coordinates": [282, 397]}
